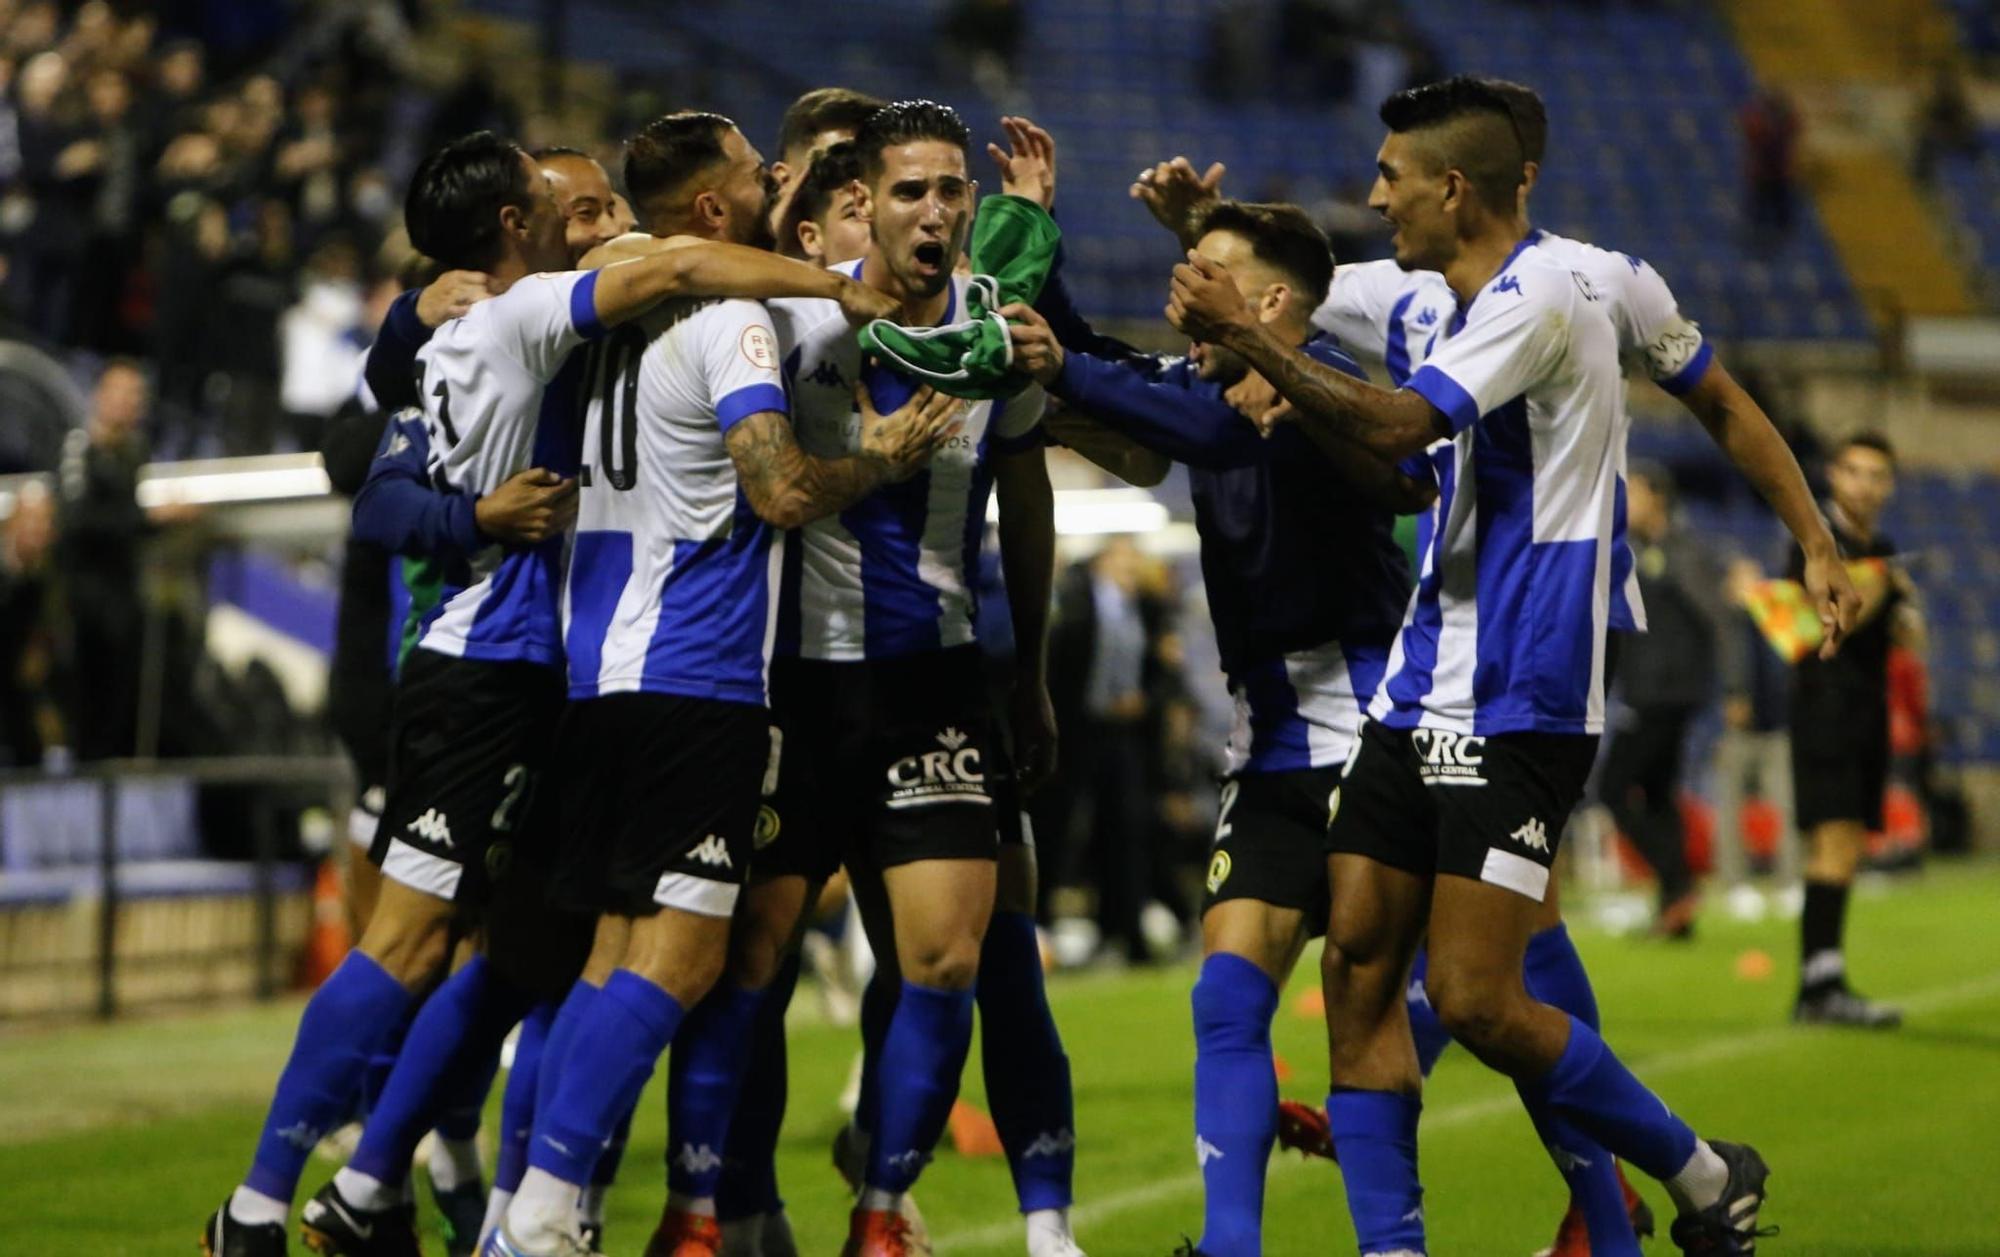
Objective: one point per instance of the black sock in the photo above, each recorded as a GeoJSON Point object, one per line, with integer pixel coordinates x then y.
{"type": "Point", "coordinates": [1821, 926]}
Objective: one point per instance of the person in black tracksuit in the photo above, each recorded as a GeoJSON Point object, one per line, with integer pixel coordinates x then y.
{"type": "Point", "coordinates": [1840, 737]}
{"type": "Point", "coordinates": [1665, 677]}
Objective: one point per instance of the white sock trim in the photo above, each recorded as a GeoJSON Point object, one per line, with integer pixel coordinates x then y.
{"type": "Point", "coordinates": [453, 1163]}
{"type": "Point", "coordinates": [1701, 1182]}
{"type": "Point", "coordinates": [363, 1191]}
{"type": "Point", "coordinates": [254, 1208]}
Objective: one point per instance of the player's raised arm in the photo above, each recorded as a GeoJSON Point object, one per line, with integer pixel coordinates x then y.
{"type": "Point", "coordinates": [680, 268]}
{"type": "Point", "coordinates": [1178, 197]}
{"type": "Point", "coordinates": [1747, 435]}
{"type": "Point", "coordinates": [1389, 423]}
{"type": "Point", "coordinates": [788, 487]}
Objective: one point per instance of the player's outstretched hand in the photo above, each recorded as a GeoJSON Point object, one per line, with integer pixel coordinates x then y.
{"type": "Point", "coordinates": [528, 509]}
{"type": "Point", "coordinates": [906, 437]}
{"type": "Point", "coordinates": [1037, 352]}
{"type": "Point", "coordinates": [1204, 302]}
{"type": "Point", "coordinates": [1033, 718]}
{"type": "Point", "coordinates": [1028, 164]}
{"type": "Point", "coordinates": [1832, 592]}
{"type": "Point", "coordinates": [863, 305]}
{"type": "Point", "coordinates": [450, 295]}
{"type": "Point", "coordinates": [1177, 196]}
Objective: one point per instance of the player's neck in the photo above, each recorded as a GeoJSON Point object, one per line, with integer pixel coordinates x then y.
{"type": "Point", "coordinates": [511, 268]}
{"type": "Point", "coordinates": [1860, 527]}
{"type": "Point", "coordinates": [1481, 255]}
{"type": "Point", "coordinates": [918, 310]}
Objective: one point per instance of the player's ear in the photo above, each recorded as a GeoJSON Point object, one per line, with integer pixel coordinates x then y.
{"type": "Point", "coordinates": [1272, 304]}
{"type": "Point", "coordinates": [809, 241]}
{"type": "Point", "coordinates": [709, 209]}
{"type": "Point", "coordinates": [864, 201]}
{"type": "Point", "coordinates": [514, 221]}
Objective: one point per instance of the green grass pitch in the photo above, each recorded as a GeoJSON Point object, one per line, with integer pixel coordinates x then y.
{"type": "Point", "coordinates": [118, 1140]}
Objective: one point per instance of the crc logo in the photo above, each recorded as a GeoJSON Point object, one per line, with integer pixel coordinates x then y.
{"type": "Point", "coordinates": [956, 773]}
{"type": "Point", "coordinates": [1450, 759]}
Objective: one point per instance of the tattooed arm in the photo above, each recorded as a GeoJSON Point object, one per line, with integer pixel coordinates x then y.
{"type": "Point", "coordinates": [788, 487]}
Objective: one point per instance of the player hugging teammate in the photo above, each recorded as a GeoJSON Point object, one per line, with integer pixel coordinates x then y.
{"type": "Point", "coordinates": [697, 631]}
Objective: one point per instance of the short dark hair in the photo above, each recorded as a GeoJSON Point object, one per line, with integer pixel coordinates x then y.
{"type": "Point", "coordinates": [1479, 131]}
{"type": "Point", "coordinates": [1869, 439]}
{"type": "Point", "coordinates": [905, 122]}
{"type": "Point", "coordinates": [833, 168]}
{"type": "Point", "coordinates": [453, 208]}
{"type": "Point", "coordinates": [821, 110]}
{"type": "Point", "coordinates": [1280, 235]}
{"type": "Point", "coordinates": [548, 152]}
{"type": "Point", "coordinates": [1531, 116]}
{"type": "Point", "coordinates": [671, 150]}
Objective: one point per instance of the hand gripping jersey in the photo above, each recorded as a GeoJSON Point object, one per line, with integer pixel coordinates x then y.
{"type": "Point", "coordinates": [498, 392]}
{"type": "Point", "coordinates": [1505, 632]}
{"type": "Point", "coordinates": [891, 575]}
{"type": "Point", "coordinates": [672, 577]}
{"type": "Point", "coordinates": [1379, 310]}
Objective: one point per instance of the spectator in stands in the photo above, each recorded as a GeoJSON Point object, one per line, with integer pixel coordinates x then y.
{"type": "Point", "coordinates": [1665, 677]}
{"type": "Point", "coordinates": [324, 336]}
{"type": "Point", "coordinates": [28, 724]}
{"type": "Point", "coordinates": [102, 527]}
{"type": "Point", "coordinates": [1770, 157]}
{"type": "Point", "coordinates": [59, 165]}
{"type": "Point", "coordinates": [113, 223]}
{"type": "Point", "coordinates": [1946, 125]}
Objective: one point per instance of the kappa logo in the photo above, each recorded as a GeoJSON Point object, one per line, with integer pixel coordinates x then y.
{"type": "Point", "coordinates": [1427, 318]}
{"type": "Point", "coordinates": [1051, 1143]}
{"type": "Point", "coordinates": [956, 774]}
{"type": "Point", "coordinates": [827, 373]}
{"type": "Point", "coordinates": [1508, 283]}
{"type": "Point", "coordinates": [1218, 871]}
{"type": "Point", "coordinates": [713, 851]}
{"type": "Point", "coordinates": [1532, 835]}
{"type": "Point", "coordinates": [1450, 759]}
{"type": "Point", "coordinates": [431, 827]}
{"type": "Point", "coordinates": [1567, 1162]}
{"type": "Point", "coordinates": [697, 1159]}
{"type": "Point", "coordinates": [398, 444]}
{"type": "Point", "coordinates": [911, 1161]}
{"type": "Point", "coordinates": [300, 1135]}
{"type": "Point", "coordinates": [1204, 1152]}
{"type": "Point", "coordinates": [1417, 994]}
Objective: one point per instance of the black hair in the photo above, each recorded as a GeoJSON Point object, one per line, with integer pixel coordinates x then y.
{"type": "Point", "coordinates": [1490, 156]}
{"type": "Point", "coordinates": [1869, 439]}
{"type": "Point", "coordinates": [671, 150]}
{"type": "Point", "coordinates": [905, 122]}
{"type": "Point", "coordinates": [1531, 116]}
{"type": "Point", "coordinates": [453, 208]}
{"type": "Point", "coordinates": [833, 168]}
{"type": "Point", "coordinates": [548, 152]}
{"type": "Point", "coordinates": [1280, 235]}
{"type": "Point", "coordinates": [821, 110]}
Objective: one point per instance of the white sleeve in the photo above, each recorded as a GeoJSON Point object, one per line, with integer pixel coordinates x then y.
{"type": "Point", "coordinates": [541, 318]}
{"type": "Point", "coordinates": [1356, 309]}
{"type": "Point", "coordinates": [1516, 334]}
{"type": "Point", "coordinates": [1675, 352]}
{"type": "Point", "coordinates": [740, 363]}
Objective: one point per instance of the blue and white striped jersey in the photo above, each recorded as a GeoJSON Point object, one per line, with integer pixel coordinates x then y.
{"type": "Point", "coordinates": [672, 579]}
{"type": "Point", "coordinates": [891, 575]}
{"type": "Point", "coordinates": [1381, 311]}
{"type": "Point", "coordinates": [498, 389]}
{"type": "Point", "coordinates": [1505, 631]}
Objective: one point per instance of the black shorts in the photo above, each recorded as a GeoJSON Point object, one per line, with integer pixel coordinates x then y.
{"type": "Point", "coordinates": [468, 743]}
{"type": "Point", "coordinates": [1487, 808]}
{"type": "Point", "coordinates": [659, 802]}
{"type": "Point", "coordinates": [1840, 765]}
{"type": "Point", "coordinates": [1270, 842]}
{"type": "Point", "coordinates": [888, 761]}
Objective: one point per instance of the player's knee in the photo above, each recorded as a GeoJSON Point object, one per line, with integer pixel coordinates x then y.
{"type": "Point", "coordinates": [410, 937]}
{"type": "Point", "coordinates": [1476, 1012]}
{"type": "Point", "coordinates": [950, 964]}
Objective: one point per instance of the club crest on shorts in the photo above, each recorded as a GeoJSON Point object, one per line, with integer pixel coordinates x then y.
{"type": "Point", "coordinates": [1218, 871]}
{"type": "Point", "coordinates": [765, 832]}
{"type": "Point", "coordinates": [1449, 759]}
{"type": "Point", "coordinates": [955, 774]}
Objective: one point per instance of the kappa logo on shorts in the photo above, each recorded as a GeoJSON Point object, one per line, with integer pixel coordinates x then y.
{"type": "Point", "coordinates": [712, 850]}
{"type": "Point", "coordinates": [431, 827]}
{"type": "Point", "coordinates": [1450, 759]}
{"type": "Point", "coordinates": [767, 827]}
{"type": "Point", "coordinates": [1533, 835]}
{"type": "Point", "coordinates": [956, 774]}
{"type": "Point", "coordinates": [1218, 871]}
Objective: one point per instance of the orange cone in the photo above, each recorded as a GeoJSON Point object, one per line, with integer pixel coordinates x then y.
{"type": "Point", "coordinates": [1281, 1069]}
{"type": "Point", "coordinates": [973, 1133]}
{"type": "Point", "coordinates": [328, 940]}
{"type": "Point", "coordinates": [1310, 1004]}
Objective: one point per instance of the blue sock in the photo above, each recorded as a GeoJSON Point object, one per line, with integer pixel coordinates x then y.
{"type": "Point", "coordinates": [381, 1062]}
{"type": "Point", "coordinates": [452, 1050]}
{"type": "Point", "coordinates": [354, 1011]}
{"type": "Point", "coordinates": [1593, 1089]}
{"type": "Point", "coordinates": [878, 1009]}
{"type": "Point", "coordinates": [1555, 975]}
{"type": "Point", "coordinates": [517, 1103]}
{"type": "Point", "coordinates": [922, 1058]}
{"type": "Point", "coordinates": [617, 1043]}
{"type": "Point", "coordinates": [749, 1185]}
{"type": "Point", "coordinates": [605, 1172]}
{"type": "Point", "coordinates": [1375, 1135]}
{"type": "Point", "coordinates": [704, 1078]}
{"type": "Point", "coordinates": [1235, 1101]}
{"type": "Point", "coordinates": [1430, 1034]}
{"type": "Point", "coordinates": [1027, 1072]}
{"type": "Point", "coordinates": [573, 1011]}
{"type": "Point", "coordinates": [462, 1099]}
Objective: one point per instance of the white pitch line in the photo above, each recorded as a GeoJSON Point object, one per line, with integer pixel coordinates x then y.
{"type": "Point", "coordinates": [1008, 1233]}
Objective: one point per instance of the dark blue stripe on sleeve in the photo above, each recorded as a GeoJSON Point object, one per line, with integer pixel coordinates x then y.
{"type": "Point", "coordinates": [1690, 375]}
{"type": "Point", "coordinates": [744, 402]}
{"type": "Point", "coordinates": [583, 307]}
{"type": "Point", "coordinates": [1443, 392]}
